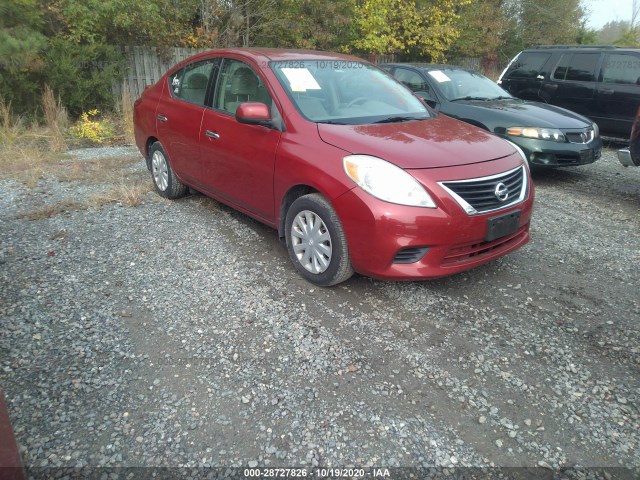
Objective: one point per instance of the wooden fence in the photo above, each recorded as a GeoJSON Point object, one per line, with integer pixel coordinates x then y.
{"type": "Point", "coordinates": [145, 66]}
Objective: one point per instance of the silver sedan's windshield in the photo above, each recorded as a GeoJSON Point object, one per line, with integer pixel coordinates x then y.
{"type": "Point", "coordinates": [347, 92]}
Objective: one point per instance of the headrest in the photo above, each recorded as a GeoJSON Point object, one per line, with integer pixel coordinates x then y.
{"type": "Point", "coordinates": [197, 81]}
{"type": "Point", "coordinates": [244, 82]}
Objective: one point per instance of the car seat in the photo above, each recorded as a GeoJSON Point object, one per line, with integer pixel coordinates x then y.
{"type": "Point", "coordinates": [196, 88]}
{"type": "Point", "coordinates": [244, 87]}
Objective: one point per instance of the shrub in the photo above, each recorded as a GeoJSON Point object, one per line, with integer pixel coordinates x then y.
{"type": "Point", "coordinates": [88, 127]}
{"type": "Point", "coordinates": [83, 75]}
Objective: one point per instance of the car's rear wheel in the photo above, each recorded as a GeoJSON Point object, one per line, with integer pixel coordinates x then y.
{"type": "Point", "coordinates": [164, 179]}
{"type": "Point", "coordinates": [316, 242]}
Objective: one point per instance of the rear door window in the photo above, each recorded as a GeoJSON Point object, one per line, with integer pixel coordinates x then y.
{"type": "Point", "coordinates": [582, 67]}
{"type": "Point", "coordinates": [560, 72]}
{"type": "Point", "coordinates": [621, 68]}
{"type": "Point", "coordinates": [528, 65]}
{"type": "Point", "coordinates": [190, 83]}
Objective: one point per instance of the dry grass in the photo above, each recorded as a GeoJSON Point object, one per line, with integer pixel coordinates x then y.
{"type": "Point", "coordinates": [207, 203]}
{"type": "Point", "coordinates": [24, 152]}
{"type": "Point", "coordinates": [56, 119]}
{"type": "Point", "coordinates": [52, 210]}
{"type": "Point", "coordinates": [126, 111]}
{"type": "Point", "coordinates": [127, 194]}
{"type": "Point", "coordinates": [105, 170]}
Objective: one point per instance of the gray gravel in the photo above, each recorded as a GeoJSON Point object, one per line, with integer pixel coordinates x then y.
{"type": "Point", "coordinates": [177, 334]}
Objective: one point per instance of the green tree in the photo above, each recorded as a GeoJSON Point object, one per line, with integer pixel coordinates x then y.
{"type": "Point", "coordinates": [417, 28]}
{"type": "Point", "coordinates": [21, 45]}
{"type": "Point", "coordinates": [483, 27]}
{"type": "Point", "coordinates": [314, 24]}
{"type": "Point", "coordinates": [546, 22]}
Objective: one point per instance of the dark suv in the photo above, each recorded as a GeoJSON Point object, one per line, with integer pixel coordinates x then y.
{"type": "Point", "coordinates": [599, 82]}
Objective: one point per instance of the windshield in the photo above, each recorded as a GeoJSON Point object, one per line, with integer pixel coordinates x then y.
{"type": "Point", "coordinates": [464, 85]}
{"type": "Point", "coordinates": [347, 92]}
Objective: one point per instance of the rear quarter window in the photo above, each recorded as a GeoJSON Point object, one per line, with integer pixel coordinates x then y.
{"type": "Point", "coordinates": [621, 68]}
{"type": "Point", "coordinates": [528, 65]}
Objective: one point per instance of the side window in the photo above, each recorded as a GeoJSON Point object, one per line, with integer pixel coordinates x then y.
{"type": "Point", "coordinates": [582, 67]}
{"type": "Point", "coordinates": [620, 68]}
{"type": "Point", "coordinates": [411, 79]}
{"type": "Point", "coordinates": [190, 83]}
{"type": "Point", "coordinates": [563, 65]}
{"type": "Point", "coordinates": [528, 65]}
{"type": "Point", "coordinates": [239, 83]}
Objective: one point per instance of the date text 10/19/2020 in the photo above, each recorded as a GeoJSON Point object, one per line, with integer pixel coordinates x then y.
{"type": "Point", "coordinates": [316, 473]}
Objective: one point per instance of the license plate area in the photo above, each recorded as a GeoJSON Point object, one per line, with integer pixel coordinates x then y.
{"type": "Point", "coordinates": [502, 225]}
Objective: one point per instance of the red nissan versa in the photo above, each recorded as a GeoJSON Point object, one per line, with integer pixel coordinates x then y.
{"type": "Point", "coordinates": [354, 171]}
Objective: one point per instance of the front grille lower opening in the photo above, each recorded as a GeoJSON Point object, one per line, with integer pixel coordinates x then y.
{"type": "Point", "coordinates": [410, 254]}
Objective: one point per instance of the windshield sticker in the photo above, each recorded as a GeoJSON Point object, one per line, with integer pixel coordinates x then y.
{"type": "Point", "coordinates": [300, 79]}
{"type": "Point", "coordinates": [439, 76]}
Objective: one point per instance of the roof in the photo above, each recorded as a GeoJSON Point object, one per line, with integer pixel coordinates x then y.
{"type": "Point", "coordinates": [279, 54]}
{"type": "Point", "coordinates": [430, 66]}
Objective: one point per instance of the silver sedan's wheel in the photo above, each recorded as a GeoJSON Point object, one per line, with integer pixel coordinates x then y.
{"type": "Point", "coordinates": [164, 178]}
{"type": "Point", "coordinates": [311, 242]}
{"type": "Point", "coordinates": [160, 170]}
{"type": "Point", "coordinates": [316, 241]}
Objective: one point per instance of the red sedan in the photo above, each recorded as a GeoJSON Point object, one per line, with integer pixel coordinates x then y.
{"type": "Point", "coordinates": [352, 169]}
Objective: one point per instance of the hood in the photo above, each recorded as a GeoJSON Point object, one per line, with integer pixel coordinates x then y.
{"type": "Point", "coordinates": [435, 142]}
{"type": "Point", "coordinates": [516, 113]}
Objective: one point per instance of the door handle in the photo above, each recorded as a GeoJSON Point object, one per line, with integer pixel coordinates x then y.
{"type": "Point", "coordinates": [605, 91]}
{"type": "Point", "coordinates": [540, 77]}
{"type": "Point", "coordinates": [162, 118]}
{"type": "Point", "coordinates": [211, 134]}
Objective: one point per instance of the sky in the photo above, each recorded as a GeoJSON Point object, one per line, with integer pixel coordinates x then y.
{"type": "Point", "coordinates": [603, 11]}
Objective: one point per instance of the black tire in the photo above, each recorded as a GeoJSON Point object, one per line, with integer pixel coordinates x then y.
{"type": "Point", "coordinates": [339, 266]}
{"type": "Point", "coordinates": [166, 183]}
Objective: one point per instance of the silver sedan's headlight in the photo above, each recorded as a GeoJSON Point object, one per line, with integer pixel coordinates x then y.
{"type": "Point", "coordinates": [386, 181]}
{"type": "Point", "coordinates": [538, 133]}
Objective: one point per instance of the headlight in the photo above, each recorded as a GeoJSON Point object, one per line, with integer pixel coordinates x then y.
{"type": "Point", "coordinates": [386, 181]}
{"type": "Point", "coordinates": [539, 133]}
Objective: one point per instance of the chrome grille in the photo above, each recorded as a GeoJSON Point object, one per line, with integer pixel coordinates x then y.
{"type": "Point", "coordinates": [580, 137]}
{"type": "Point", "coordinates": [480, 195]}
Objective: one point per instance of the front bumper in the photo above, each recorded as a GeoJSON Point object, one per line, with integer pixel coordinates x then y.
{"type": "Point", "coordinates": [625, 158]}
{"type": "Point", "coordinates": [378, 233]}
{"type": "Point", "coordinates": [545, 153]}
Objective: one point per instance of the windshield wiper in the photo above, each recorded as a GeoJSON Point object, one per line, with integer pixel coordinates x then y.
{"type": "Point", "coordinates": [399, 119]}
{"type": "Point", "coordinates": [501, 97]}
{"type": "Point", "coordinates": [333, 122]}
{"type": "Point", "coordinates": [470, 98]}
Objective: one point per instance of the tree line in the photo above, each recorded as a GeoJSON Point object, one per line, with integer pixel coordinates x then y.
{"type": "Point", "coordinates": [71, 45]}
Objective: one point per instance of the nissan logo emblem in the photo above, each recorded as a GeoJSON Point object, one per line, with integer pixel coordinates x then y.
{"type": "Point", "coordinates": [501, 192]}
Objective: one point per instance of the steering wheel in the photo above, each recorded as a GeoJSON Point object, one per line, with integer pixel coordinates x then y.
{"type": "Point", "coordinates": [357, 101]}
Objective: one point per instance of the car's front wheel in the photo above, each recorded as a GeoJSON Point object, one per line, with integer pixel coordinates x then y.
{"type": "Point", "coordinates": [316, 241]}
{"type": "Point", "coordinates": [164, 179]}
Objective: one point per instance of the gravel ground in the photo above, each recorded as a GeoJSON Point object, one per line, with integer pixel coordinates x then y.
{"type": "Point", "coordinates": [177, 334]}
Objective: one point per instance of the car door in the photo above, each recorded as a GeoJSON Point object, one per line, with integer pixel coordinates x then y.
{"type": "Point", "coordinates": [618, 92]}
{"type": "Point", "coordinates": [239, 159]}
{"type": "Point", "coordinates": [179, 117]}
{"type": "Point", "coordinates": [572, 84]}
{"type": "Point", "coordinates": [525, 75]}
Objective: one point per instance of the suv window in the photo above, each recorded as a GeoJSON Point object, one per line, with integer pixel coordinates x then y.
{"type": "Point", "coordinates": [582, 67]}
{"type": "Point", "coordinates": [528, 65]}
{"type": "Point", "coordinates": [190, 82]}
{"type": "Point", "coordinates": [239, 83]}
{"type": "Point", "coordinates": [621, 68]}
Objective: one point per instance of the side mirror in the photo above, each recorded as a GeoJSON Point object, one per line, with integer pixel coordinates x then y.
{"type": "Point", "coordinates": [428, 100]}
{"type": "Point", "coordinates": [253, 113]}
